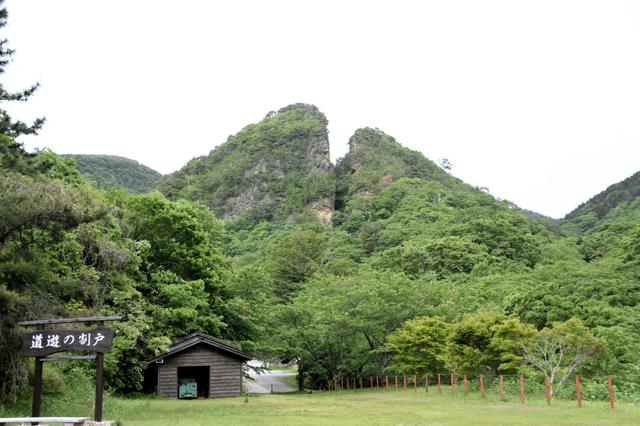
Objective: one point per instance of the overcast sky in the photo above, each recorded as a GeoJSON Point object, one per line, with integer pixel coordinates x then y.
{"type": "Point", "coordinates": [539, 101]}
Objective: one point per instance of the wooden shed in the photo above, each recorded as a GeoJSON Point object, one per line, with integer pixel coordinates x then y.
{"type": "Point", "coordinates": [215, 366]}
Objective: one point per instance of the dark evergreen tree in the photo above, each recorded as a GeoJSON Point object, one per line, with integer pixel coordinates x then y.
{"type": "Point", "coordinates": [8, 126]}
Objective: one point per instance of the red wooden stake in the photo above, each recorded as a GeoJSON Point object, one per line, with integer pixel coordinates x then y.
{"type": "Point", "coordinates": [404, 379]}
{"type": "Point", "coordinates": [481, 385]}
{"type": "Point", "coordinates": [453, 386]}
{"type": "Point", "coordinates": [396, 383]}
{"type": "Point", "coordinates": [415, 384]}
{"type": "Point", "coordinates": [466, 386]}
{"type": "Point", "coordinates": [501, 387]}
{"type": "Point", "coordinates": [578, 397]}
{"type": "Point", "coordinates": [439, 384]}
{"type": "Point", "coordinates": [522, 388]}
{"type": "Point", "coordinates": [386, 381]}
{"type": "Point", "coordinates": [547, 389]}
{"type": "Point", "coordinates": [610, 380]}
{"type": "Point", "coordinates": [426, 382]}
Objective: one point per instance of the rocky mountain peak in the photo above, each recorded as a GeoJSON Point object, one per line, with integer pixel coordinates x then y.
{"type": "Point", "coordinates": [277, 167]}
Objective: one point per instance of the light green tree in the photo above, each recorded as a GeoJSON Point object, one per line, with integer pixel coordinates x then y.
{"type": "Point", "coordinates": [417, 346]}
{"type": "Point", "coordinates": [559, 350]}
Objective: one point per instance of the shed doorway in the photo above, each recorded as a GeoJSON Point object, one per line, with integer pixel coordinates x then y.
{"type": "Point", "coordinates": [193, 382]}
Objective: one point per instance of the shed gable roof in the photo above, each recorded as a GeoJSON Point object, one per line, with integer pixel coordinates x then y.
{"type": "Point", "coordinates": [197, 338]}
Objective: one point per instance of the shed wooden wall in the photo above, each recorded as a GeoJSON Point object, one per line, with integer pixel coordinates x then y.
{"type": "Point", "coordinates": [225, 372]}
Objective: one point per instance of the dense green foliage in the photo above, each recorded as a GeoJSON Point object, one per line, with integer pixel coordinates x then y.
{"type": "Point", "coordinates": [384, 262]}
{"type": "Point", "coordinates": [67, 250]}
{"type": "Point", "coordinates": [113, 172]}
{"type": "Point", "coordinates": [414, 275]}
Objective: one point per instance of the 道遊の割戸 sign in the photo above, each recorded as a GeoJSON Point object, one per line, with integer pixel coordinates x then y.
{"type": "Point", "coordinates": [45, 342]}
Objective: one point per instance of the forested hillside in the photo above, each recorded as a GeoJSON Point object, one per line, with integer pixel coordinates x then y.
{"type": "Point", "coordinates": [618, 203]}
{"type": "Point", "coordinates": [407, 252]}
{"type": "Point", "coordinates": [111, 171]}
{"type": "Point", "coordinates": [384, 262]}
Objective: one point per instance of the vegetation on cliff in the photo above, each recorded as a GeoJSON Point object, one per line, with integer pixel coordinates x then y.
{"type": "Point", "coordinates": [269, 170]}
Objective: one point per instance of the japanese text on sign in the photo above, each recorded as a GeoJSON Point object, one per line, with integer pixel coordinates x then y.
{"type": "Point", "coordinates": [45, 342]}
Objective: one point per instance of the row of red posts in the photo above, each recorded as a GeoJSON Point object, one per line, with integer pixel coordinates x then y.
{"type": "Point", "coordinates": [374, 383]}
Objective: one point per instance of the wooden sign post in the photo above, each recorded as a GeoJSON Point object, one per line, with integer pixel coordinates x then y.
{"type": "Point", "coordinates": [42, 342]}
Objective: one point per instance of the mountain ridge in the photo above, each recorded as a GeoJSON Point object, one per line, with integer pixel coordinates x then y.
{"type": "Point", "coordinates": [114, 171]}
{"type": "Point", "coordinates": [619, 202]}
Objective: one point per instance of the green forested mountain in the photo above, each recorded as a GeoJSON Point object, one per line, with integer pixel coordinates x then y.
{"type": "Point", "coordinates": [618, 203]}
{"type": "Point", "coordinates": [111, 171]}
{"type": "Point", "coordinates": [277, 168]}
{"type": "Point", "coordinates": [382, 263]}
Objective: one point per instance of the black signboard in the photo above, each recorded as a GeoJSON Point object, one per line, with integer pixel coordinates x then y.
{"type": "Point", "coordinates": [45, 342]}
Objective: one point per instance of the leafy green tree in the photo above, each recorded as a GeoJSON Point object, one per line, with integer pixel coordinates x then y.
{"type": "Point", "coordinates": [510, 236]}
{"type": "Point", "coordinates": [294, 260]}
{"type": "Point", "coordinates": [341, 323]}
{"type": "Point", "coordinates": [13, 374]}
{"type": "Point", "coordinates": [183, 236]}
{"type": "Point", "coordinates": [561, 349]}
{"type": "Point", "coordinates": [417, 346]}
{"type": "Point", "coordinates": [27, 205]}
{"type": "Point", "coordinates": [475, 344]}
{"type": "Point", "coordinates": [620, 355]}
{"type": "Point", "coordinates": [443, 256]}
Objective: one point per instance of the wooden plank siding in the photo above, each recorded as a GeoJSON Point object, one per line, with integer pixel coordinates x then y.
{"type": "Point", "coordinates": [225, 372]}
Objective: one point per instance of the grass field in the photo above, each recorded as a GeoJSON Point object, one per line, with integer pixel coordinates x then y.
{"type": "Point", "coordinates": [365, 407]}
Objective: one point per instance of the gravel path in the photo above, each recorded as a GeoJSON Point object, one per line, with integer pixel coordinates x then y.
{"type": "Point", "coordinates": [263, 382]}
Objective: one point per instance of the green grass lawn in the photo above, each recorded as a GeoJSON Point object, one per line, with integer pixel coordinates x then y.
{"type": "Point", "coordinates": [366, 407]}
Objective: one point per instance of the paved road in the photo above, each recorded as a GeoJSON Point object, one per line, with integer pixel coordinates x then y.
{"type": "Point", "coordinates": [264, 381]}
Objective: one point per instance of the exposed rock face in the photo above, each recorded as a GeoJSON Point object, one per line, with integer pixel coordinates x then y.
{"type": "Point", "coordinates": [323, 210]}
{"type": "Point", "coordinates": [248, 199]}
{"type": "Point", "coordinates": [318, 155]}
{"type": "Point", "coordinates": [274, 168]}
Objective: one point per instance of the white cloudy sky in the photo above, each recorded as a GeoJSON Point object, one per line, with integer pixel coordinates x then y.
{"type": "Point", "coordinates": [537, 100]}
